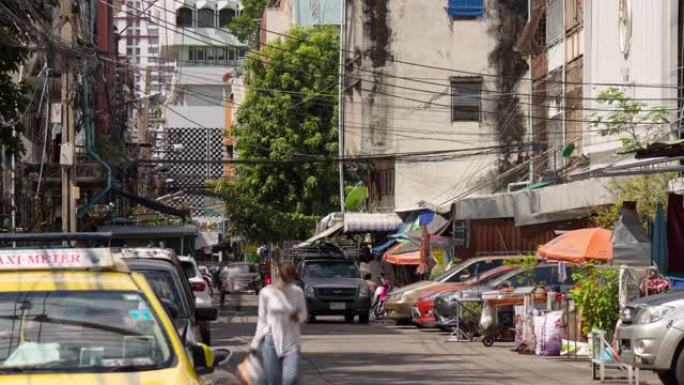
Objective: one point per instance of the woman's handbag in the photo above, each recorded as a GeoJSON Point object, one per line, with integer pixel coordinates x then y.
{"type": "Point", "coordinates": [251, 370]}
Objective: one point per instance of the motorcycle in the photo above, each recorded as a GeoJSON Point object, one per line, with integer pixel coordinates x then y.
{"type": "Point", "coordinates": [380, 295]}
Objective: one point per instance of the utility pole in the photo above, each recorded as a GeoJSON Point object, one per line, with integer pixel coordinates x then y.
{"type": "Point", "coordinates": [340, 92]}
{"type": "Point", "coordinates": [67, 160]}
{"type": "Point", "coordinates": [143, 120]}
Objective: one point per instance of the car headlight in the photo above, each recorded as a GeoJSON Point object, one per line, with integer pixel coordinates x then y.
{"type": "Point", "coordinates": [627, 315]}
{"type": "Point", "coordinates": [397, 297]}
{"type": "Point", "coordinates": [652, 314]}
{"type": "Point", "coordinates": [363, 291]}
{"type": "Point", "coordinates": [309, 291]}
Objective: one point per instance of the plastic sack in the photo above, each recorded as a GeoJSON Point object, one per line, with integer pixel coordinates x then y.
{"type": "Point", "coordinates": [487, 319]}
{"type": "Point", "coordinates": [250, 371]}
{"type": "Point", "coordinates": [547, 333]}
{"type": "Point", "coordinates": [519, 326]}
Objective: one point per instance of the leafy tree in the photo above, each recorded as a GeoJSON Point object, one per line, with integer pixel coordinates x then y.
{"type": "Point", "coordinates": [290, 111]}
{"type": "Point", "coordinates": [648, 191]}
{"type": "Point", "coordinates": [244, 25]}
{"type": "Point", "coordinates": [630, 121]}
{"type": "Point", "coordinates": [22, 24]}
{"type": "Point", "coordinates": [637, 125]}
{"type": "Point", "coordinates": [596, 295]}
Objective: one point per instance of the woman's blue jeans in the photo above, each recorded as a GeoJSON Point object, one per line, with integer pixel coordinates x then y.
{"type": "Point", "coordinates": [280, 370]}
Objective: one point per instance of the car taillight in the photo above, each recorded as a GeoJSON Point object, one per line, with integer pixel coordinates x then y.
{"type": "Point", "coordinates": [198, 286]}
{"type": "Point", "coordinates": [267, 279]}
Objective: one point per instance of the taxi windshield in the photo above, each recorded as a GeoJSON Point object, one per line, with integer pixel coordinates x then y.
{"type": "Point", "coordinates": [80, 331]}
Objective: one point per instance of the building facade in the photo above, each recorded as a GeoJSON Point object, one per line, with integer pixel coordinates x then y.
{"type": "Point", "coordinates": [424, 85]}
{"type": "Point", "coordinates": [206, 60]}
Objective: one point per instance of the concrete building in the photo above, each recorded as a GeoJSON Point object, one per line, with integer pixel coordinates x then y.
{"type": "Point", "coordinates": [279, 18]}
{"type": "Point", "coordinates": [447, 102]}
{"type": "Point", "coordinates": [138, 27]}
{"type": "Point", "coordinates": [206, 60]}
{"type": "Point", "coordinates": [580, 48]}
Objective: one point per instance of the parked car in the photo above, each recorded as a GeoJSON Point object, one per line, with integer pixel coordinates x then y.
{"type": "Point", "coordinates": [167, 277]}
{"type": "Point", "coordinates": [402, 300]}
{"type": "Point", "coordinates": [446, 304]}
{"type": "Point", "coordinates": [240, 277]}
{"type": "Point", "coordinates": [422, 312]}
{"type": "Point", "coordinates": [333, 286]}
{"type": "Point", "coordinates": [199, 285]}
{"type": "Point", "coordinates": [208, 277]}
{"type": "Point", "coordinates": [651, 335]}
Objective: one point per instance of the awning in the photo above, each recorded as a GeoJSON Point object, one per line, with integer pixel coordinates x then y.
{"type": "Point", "coordinates": [376, 222]}
{"type": "Point", "coordinates": [540, 205]}
{"type": "Point", "coordinates": [335, 229]}
{"type": "Point", "coordinates": [377, 250]}
{"type": "Point", "coordinates": [55, 237]}
{"type": "Point", "coordinates": [578, 246]}
{"type": "Point", "coordinates": [119, 232]}
{"type": "Point", "coordinates": [149, 203]}
{"type": "Point", "coordinates": [403, 254]}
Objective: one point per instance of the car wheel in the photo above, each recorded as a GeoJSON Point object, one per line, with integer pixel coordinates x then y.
{"type": "Point", "coordinates": [677, 368]}
{"type": "Point", "coordinates": [667, 377]}
{"type": "Point", "coordinates": [349, 318]}
{"type": "Point", "coordinates": [364, 318]}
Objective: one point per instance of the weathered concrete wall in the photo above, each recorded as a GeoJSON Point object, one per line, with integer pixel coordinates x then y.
{"type": "Point", "coordinates": [388, 112]}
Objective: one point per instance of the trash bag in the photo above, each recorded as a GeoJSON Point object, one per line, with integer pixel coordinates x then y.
{"type": "Point", "coordinates": [547, 333]}
{"type": "Point", "coordinates": [488, 317]}
{"type": "Point", "coordinates": [251, 371]}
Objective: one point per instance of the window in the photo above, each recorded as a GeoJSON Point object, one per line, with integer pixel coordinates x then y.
{"type": "Point", "coordinates": [232, 54]}
{"type": "Point", "coordinates": [153, 41]}
{"type": "Point", "coordinates": [184, 17]}
{"type": "Point", "coordinates": [465, 99]}
{"type": "Point", "coordinates": [554, 21]}
{"type": "Point", "coordinates": [129, 51]}
{"type": "Point", "coordinates": [211, 53]}
{"type": "Point", "coordinates": [466, 8]}
{"type": "Point", "coordinates": [153, 50]}
{"type": "Point", "coordinates": [220, 54]}
{"type": "Point", "coordinates": [205, 18]}
{"type": "Point", "coordinates": [226, 15]}
{"type": "Point", "coordinates": [137, 51]}
{"type": "Point", "coordinates": [153, 31]}
{"type": "Point", "coordinates": [129, 41]}
{"type": "Point", "coordinates": [545, 275]}
{"type": "Point", "coordinates": [197, 53]}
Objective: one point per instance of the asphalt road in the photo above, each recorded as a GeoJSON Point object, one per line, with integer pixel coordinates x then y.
{"type": "Point", "coordinates": [336, 353]}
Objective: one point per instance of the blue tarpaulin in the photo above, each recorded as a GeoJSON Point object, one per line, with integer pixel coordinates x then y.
{"type": "Point", "coordinates": [659, 240]}
{"type": "Point", "coordinates": [377, 250]}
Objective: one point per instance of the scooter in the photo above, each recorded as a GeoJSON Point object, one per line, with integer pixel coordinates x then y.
{"type": "Point", "coordinates": [379, 298]}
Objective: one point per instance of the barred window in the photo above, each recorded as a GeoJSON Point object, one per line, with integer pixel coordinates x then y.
{"type": "Point", "coordinates": [466, 95]}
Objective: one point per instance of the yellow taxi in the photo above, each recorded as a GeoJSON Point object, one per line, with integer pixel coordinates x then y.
{"type": "Point", "coordinates": [79, 316]}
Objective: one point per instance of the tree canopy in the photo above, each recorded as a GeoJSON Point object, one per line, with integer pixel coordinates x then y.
{"type": "Point", "coordinates": [289, 112]}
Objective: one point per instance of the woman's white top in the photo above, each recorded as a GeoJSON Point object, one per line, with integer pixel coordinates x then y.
{"type": "Point", "coordinates": [276, 307]}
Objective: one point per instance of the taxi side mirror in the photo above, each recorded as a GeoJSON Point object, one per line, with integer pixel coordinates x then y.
{"type": "Point", "coordinates": [206, 313]}
{"type": "Point", "coordinates": [203, 358]}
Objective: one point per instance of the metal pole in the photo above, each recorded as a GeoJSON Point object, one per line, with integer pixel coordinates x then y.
{"type": "Point", "coordinates": [530, 122]}
{"type": "Point", "coordinates": [340, 95]}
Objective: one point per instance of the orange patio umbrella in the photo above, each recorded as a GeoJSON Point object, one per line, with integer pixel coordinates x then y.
{"type": "Point", "coordinates": [579, 246]}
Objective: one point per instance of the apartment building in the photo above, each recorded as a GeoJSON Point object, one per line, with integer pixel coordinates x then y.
{"type": "Point", "coordinates": [419, 78]}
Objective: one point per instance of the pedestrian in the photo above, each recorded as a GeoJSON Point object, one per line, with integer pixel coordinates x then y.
{"type": "Point", "coordinates": [282, 309]}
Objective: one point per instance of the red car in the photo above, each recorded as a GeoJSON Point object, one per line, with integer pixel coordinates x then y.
{"type": "Point", "coordinates": [422, 311]}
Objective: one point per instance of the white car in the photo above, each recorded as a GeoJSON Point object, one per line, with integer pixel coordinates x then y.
{"type": "Point", "coordinates": [197, 282]}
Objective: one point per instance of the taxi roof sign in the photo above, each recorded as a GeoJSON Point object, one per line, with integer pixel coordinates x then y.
{"type": "Point", "coordinates": [56, 259]}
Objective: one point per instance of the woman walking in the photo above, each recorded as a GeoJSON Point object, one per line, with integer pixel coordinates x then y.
{"type": "Point", "coordinates": [282, 309]}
